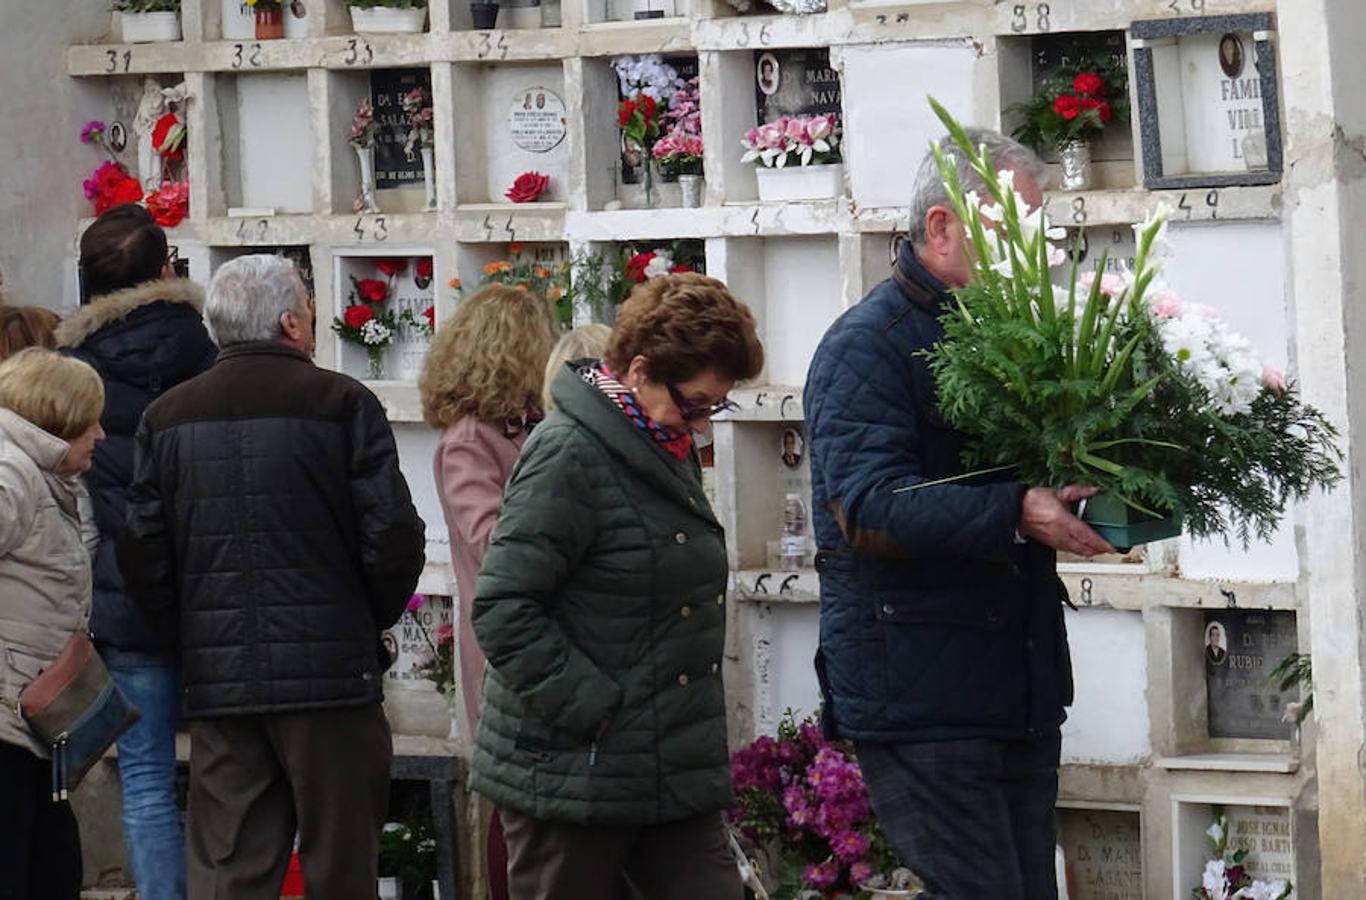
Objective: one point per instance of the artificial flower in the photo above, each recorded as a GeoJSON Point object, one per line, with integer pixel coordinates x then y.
{"type": "Point", "coordinates": [1089, 84]}
{"type": "Point", "coordinates": [636, 266]}
{"type": "Point", "coordinates": [170, 203]}
{"type": "Point", "coordinates": [168, 137]}
{"type": "Point", "coordinates": [423, 267]}
{"type": "Point", "coordinates": [415, 602]}
{"type": "Point", "coordinates": [111, 185]}
{"type": "Point", "coordinates": [1274, 378]}
{"type": "Point", "coordinates": [1100, 106]}
{"type": "Point", "coordinates": [1068, 106]}
{"type": "Point", "coordinates": [372, 290]}
{"type": "Point", "coordinates": [514, 248]}
{"type": "Point", "coordinates": [357, 316]}
{"type": "Point", "coordinates": [430, 315]}
{"type": "Point", "coordinates": [92, 132]}
{"type": "Point", "coordinates": [391, 268]}
{"type": "Point", "coordinates": [453, 284]}
{"type": "Point", "coordinates": [527, 187]}
{"type": "Point", "coordinates": [495, 268]}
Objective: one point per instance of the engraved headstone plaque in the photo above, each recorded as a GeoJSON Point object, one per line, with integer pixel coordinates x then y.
{"type": "Point", "coordinates": [1240, 649]}
{"type": "Point", "coordinates": [1104, 854]}
{"type": "Point", "coordinates": [795, 83]}
{"type": "Point", "coordinates": [1264, 832]}
{"type": "Point", "coordinates": [393, 168]}
{"type": "Point", "coordinates": [536, 119]}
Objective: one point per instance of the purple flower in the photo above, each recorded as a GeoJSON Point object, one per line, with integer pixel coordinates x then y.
{"type": "Point", "coordinates": [415, 602]}
{"type": "Point", "coordinates": [860, 872]}
{"type": "Point", "coordinates": [93, 133]}
{"type": "Point", "coordinates": [850, 846]}
{"type": "Point", "coordinates": [822, 875]}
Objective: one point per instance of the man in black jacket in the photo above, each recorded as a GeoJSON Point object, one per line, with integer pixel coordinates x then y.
{"type": "Point", "coordinates": [142, 330]}
{"type": "Point", "coordinates": [269, 515]}
{"type": "Point", "coordinates": [943, 651]}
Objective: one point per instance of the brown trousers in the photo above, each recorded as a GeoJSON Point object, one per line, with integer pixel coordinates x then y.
{"type": "Point", "coordinates": [256, 779]}
{"type": "Point", "coordinates": [562, 861]}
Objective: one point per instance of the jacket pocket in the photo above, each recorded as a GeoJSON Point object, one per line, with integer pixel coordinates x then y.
{"type": "Point", "coordinates": [943, 608]}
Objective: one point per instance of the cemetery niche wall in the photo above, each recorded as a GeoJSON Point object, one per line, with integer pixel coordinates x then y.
{"type": "Point", "coordinates": [1161, 737]}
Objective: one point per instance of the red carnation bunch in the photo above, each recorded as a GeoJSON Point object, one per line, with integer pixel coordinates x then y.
{"type": "Point", "coordinates": [390, 268]}
{"type": "Point", "coordinates": [372, 290]}
{"type": "Point", "coordinates": [170, 203]}
{"type": "Point", "coordinates": [527, 187]}
{"type": "Point", "coordinates": [110, 185]}
{"type": "Point", "coordinates": [168, 138]}
{"type": "Point", "coordinates": [1074, 104]}
{"type": "Point", "coordinates": [423, 268]}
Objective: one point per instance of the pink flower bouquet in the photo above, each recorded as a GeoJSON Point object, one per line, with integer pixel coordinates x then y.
{"type": "Point", "coordinates": [799, 140]}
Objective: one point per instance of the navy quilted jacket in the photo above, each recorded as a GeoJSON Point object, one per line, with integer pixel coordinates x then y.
{"type": "Point", "coordinates": [143, 341]}
{"type": "Point", "coordinates": [936, 624]}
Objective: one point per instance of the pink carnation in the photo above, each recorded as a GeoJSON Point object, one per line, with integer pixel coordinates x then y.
{"type": "Point", "coordinates": [1111, 285]}
{"type": "Point", "coordinates": [1274, 379]}
{"type": "Point", "coordinates": [1165, 305]}
{"type": "Point", "coordinates": [415, 602]}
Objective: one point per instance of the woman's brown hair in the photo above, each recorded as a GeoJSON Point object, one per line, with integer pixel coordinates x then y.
{"type": "Point", "coordinates": [684, 325]}
{"type": "Point", "coordinates": [488, 360]}
{"type": "Point", "coordinates": [26, 326]}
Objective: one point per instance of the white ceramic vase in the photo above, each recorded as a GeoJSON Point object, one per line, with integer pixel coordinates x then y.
{"type": "Point", "coordinates": [150, 27]}
{"type": "Point", "coordinates": [823, 182]}
{"type": "Point", "coordinates": [387, 20]}
{"type": "Point", "coordinates": [429, 177]}
{"type": "Point", "coordinates": [366, 157]}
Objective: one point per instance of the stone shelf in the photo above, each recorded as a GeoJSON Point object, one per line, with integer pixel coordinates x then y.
{"type": "Point", "coordinates": [776, 586]}
{"type": "Point", "coordinates": [765, 403]}
{"type": "Point", "coordinates": [1137, 592]}
{"type": "Point", "coordinates": [1279, 763]}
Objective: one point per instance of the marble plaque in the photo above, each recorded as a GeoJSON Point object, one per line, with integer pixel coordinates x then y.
{"type": "Point", "coordinates": [393, 168]}
{"type": "Point", "coordinates": [1240, 649]}
{"type": "Point", "coordinates": [795, 83]}
{"type": "Point", "coordinates": [1104, 852]}
{"type": "Point", "coordinates": [1264, 832]}
{"type": "Point", "coordinates": [536, 119]}
{"type": "Point", "coordinates": [410, 641]}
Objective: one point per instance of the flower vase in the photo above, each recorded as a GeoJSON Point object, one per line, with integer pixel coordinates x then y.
{"type": "Point", "coordinates": [389, 888]}
{"type": "Point", "coordinates": [375, 356]}
{"type": "Point", "coordinates": [815, 182]}
{"type": "Point", "coordinates": [429, 177]}
{"type": "Point", "coordinates": [150, 27]}
{"type": "Point", "coordinates": [389, 20]}
{"type": "Point", "coordinates": [1123, 526]}
{"type": "Point", "coordinates": [1075, 157]}
{"type": "Point", "coordinates": [270, 22]}
{"type": "Point", "coordinates": [366, 157]}
{"type": "Point", "coordinates": [691, 186]}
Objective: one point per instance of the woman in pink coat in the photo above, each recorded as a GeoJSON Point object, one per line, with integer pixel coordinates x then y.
{"type": "Point", "coordinates": [482, 386]}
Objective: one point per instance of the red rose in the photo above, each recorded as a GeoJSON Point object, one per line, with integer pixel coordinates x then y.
{"type": "Point", "coordinates": [430, 315]}
{"type": "Point", "coordinates": [649, 103]}
{"type": "Point", "coordinates": [372, 290]}
{"type": "Point", "coordinates": [1088, 84]}
{"type": "Point", "coordinates": [169, 204]}
{"type": "Point", "coordinates": [680, 268]}
{"type": "Point", "coordinates": [625, 111]}
{"type": "Point", "coordinates": [424, 267]}
{"type": "Point", "coordinates": [527, 187]}
{"type": "Point", "coordinates": [391, 267]}
{"type": "Point", "coordinates": [356, 316]}
{"type": "Point", "coordinates": [1067, 106]}
{"type": "Point", "coordinates": [168, 137]}
{"type": "Point", "coordinates": [1102, 108]}
{"type": "Point", "coordinates": [635, 267]}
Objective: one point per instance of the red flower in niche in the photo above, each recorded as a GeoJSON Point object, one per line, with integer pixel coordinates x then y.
{"type": "Point", "coordinates": [527, 187]}
{"type": "Point", "coordinates": [1100, 106]}
{"type": "Point", "coordinates": [635, 267]}
{"type": "Point", "coordinates": [170, 203]}
{"type": "Point", "coordinates": [430, 315]}
{"type": "Point", "coordinates": [356, 316]}
{"type": "Point", "coordinates": [391, 267]}
{"type": "Point", "coordinates": [372, 290]}
{"type": "Point", "coordinates": [168, 137]}
{"type": "Point", "coordinates": [1089, 84]}
{"type": "Point", "coordinates": [424, 268]}
{"type": "Point", "coordinates": [1068, 106]}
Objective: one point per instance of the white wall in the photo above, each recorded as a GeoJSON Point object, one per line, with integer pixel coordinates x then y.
{"type": "Point", "coordinates": [1108, 721]}
{"type": "Point", "coordinates": [802, 298]}
{"type": "Point", "coordinates": [41, 113]}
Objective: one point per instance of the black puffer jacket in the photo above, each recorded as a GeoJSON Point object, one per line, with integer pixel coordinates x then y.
{"type": "Point", "coordinates": [142, 341]}
{"type": "Point", "coordinates": [268, 510]}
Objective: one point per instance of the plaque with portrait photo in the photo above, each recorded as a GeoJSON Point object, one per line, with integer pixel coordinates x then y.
{"type": "Point", "coordinates": [797, 82]}
{"type": "Point", "coordinates": [393, 168]}
{"type": "Point", "coordinates": [1240, 648]}
{"type": "Point", "coordinates": [1231, 54]}
{"type": "Point", "coordinates": [793, 448]}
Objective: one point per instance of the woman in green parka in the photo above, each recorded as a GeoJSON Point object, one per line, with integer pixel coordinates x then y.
{"type": "Point", "coordinates": [601, 608]}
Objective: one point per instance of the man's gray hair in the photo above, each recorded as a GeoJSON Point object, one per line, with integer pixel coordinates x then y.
{"type": "Point", "coordinates": [248, 295]}
{"type": "Point", "coordinates": [929, 190]}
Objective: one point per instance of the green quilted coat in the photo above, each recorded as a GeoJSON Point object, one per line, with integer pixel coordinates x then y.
{"type": "Point", "coordinates": [601, 608]}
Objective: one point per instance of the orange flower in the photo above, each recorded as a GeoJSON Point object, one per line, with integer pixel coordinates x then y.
{"type": "Point", "coordinates": [514, 248]}
{"type": "Point", "coordinates": [453, 284]}
{"type": "Point", "coordinates": [540, 272]}
{"type": "Point", "coordinates": [494, 268]}
{"type": "Point", "coordinates": [554, 293]}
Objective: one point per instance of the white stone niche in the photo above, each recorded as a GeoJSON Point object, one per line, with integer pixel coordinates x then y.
{"type": "Point", "coordinates": [639, 12]}
{"type": "Point", "coordinates": [1023, 65]}
{"type": "Point", "coordinates": [345, 90]}
{"type": "Point", "coordinates": [267, 142]}
{"type": "Point", "coordinates": [1265, 827]}
{"type": "Point", "coordinates": [404, 356]}
{"type": "Point", "coordinates": [487, 158]}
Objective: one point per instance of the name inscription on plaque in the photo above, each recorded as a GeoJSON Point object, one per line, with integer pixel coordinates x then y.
{"type": "Point", "coordinates": [1104, 854]}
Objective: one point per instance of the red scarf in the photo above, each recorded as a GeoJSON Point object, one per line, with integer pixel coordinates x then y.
{"type": "Point", "coordinates": [678, 444]}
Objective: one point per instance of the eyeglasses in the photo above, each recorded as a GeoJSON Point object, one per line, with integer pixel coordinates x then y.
{"type": "Point", "coordinates": [691, 413]}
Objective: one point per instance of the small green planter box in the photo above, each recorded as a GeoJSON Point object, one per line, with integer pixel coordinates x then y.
{"type": "Point", "coordinates": [1125, 527]}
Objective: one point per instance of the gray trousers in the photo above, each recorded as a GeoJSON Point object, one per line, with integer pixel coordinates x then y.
{"type": "Point", "coordinates": [974, 819]}
{"type": "Point", "coordinates": [255, 779]}
{"type": "Point", "coordinates": [686, 860]}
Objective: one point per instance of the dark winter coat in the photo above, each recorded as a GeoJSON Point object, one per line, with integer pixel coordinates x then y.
{"type": "Point", "coordinates": [936, 622]}
{"type": "Point", "coordinates": [601, 608]}
{"type": "Point", "coordinates": [142, 341]}
{"type": "Point", "coordinates": [268, 513]}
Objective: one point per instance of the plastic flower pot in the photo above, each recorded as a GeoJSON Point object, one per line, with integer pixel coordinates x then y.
{"type": "Point", "coordinates": [389, 20]}
{"type": "Point", "coordinates": [800, 182]}
{"type": "Point", "coordinates": [150, 27]}
{"type": "Point", "coordinates": [1123, 526]}
{"type": "Point", "coordinates": [485, 15]}
{"type": "Point", "coordinates": [270, 22]}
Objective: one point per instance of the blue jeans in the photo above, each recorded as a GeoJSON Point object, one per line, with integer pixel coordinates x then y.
{"type": "Point", "coordinates": [151, 821]}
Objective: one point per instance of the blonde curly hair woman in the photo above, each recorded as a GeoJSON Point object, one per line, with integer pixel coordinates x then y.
{"type": "Point", "coordinates": [482, 386]}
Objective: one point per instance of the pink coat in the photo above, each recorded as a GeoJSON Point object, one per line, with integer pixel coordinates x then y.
{"type": "Point", "coordinates": [474, 460]}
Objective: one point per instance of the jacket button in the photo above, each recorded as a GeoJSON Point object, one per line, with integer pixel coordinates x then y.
{"type": "Point", "coordinates": [888, 609]}
{"type": "Point", "coordinates": [683, 679]}
{"type": "Point", "coordinates": [685, 611]}
{"type": "Point", "coordinates": [681, 538]}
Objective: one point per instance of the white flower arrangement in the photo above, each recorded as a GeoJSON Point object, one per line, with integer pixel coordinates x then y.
{"type": "Point", "coordinates": [647, 74]}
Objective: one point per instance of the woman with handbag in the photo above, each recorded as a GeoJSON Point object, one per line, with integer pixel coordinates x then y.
{"type": "Point", "coordinates": [49, 422]}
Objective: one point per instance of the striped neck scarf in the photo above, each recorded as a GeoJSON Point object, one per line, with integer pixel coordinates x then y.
{"type": "Point", "coordinates": [676, 443]}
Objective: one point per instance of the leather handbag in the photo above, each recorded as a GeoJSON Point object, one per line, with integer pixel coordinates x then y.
{"type": "Point", "coordinates": [77, 710]}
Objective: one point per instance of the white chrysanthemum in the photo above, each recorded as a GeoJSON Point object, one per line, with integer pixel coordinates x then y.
{"type": "Point", "coordinates": [1262, 890]}
{"type": "Point", "coordinates": [374, 332]}
{"type": "Point", "coordinates": [1214, 881]}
